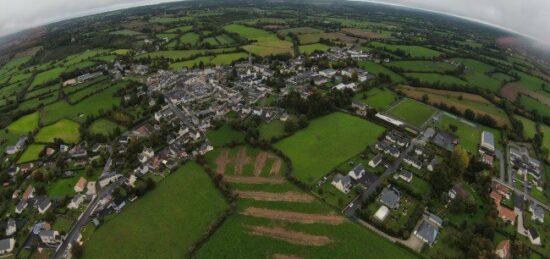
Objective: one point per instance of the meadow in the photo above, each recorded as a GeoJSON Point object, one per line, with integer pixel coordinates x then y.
{"type": "Point", "coordinates": [469, 134]}
{"type": "Point", "coordinates": [378, 98]}
{"type": "Point", "coordinates": [529, 126]}
{"type": "Point", "coordinates": [104, 127]}
{"type": "Point", "coordinates": [24, 124]}
{"type": "Point", "coordinates": [422, 66]}
{"type": "Point", "coordinates": [175, 223]}
{"type": "Point", "coordinates": [264, 43]}
{"type": "Point", "coordinates": [270, 130]}
{"type": "Point", "coordinates": [64, 129]}
{"type": "Point", "coordinates": [31, 153]}
{"type": "Point", "coordinates": [330, 140]}
{"type": "Point", "coordinates": [410, 50]}
{"type": "Point", "coordinates": [402, 111]}
{"type": "Point", "coordinates": [476, 75]}
{"type": "Point", "coordinates": [377, 69]}
{"type": "Point", "coordinates": [531, 104]}
{"type": "Point", "coordinates": [47, 76]}
{"type": "Point", "coordinates": [310, 48]}
{"type": "Point", "coordinates": [435, 78]}
{"type": "Point", "coordinates": [224, 135]}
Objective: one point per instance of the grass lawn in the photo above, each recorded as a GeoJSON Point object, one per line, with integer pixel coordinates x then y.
{"type": "Point", "coordinates": [377, 98]}
{"type": "Point", "coordinates": [65, 186]}
{"type": "Point", "coordinates": [169, 219]}
{"type": "Point", "coordinates": [24, 124]}
{"type": "Point", "coordinates": [326, 143]}
{"type": "Point", "coordinates": [31, 153]}
{"type": "Point", "coordinates": [403, 111]}
{"type": "Point", "coordinates": [104, 127]}
{"type": "Point", "coordinates": [529, 127]}
{"type": "Point", "coordinates": [469, 136]}
{"type": "Point", "coordinates": [64, 129]}
{"type": "Point", "coordinates": [377, 69]}
{"type": "Point", "coordinates": [275, 128]}
{"type": "Point", "coordinates": [224, 136]}
{"type": "Point", "coordinates": [310, 48]}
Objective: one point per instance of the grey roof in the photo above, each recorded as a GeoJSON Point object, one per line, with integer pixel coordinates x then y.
{"type": "Point", "coordinates": [435, 219]}
{"type": "Point", "coordinates": [538, 211]}
{"type": "Point", "coordinates": [47, 233]}
{"type": "Point", "coordinates": [346, 180]}
{"type": "Point", "coordinates": [21, 205]}
{"type": "Point", "coordinates": [358, 169]}
{"type": "Point", "coordinates": [44, 203]}
{"type": "Point", "coordinates": [390, 197]}
{"type": "Point", "coordinates": [488, 138]}
{"type": "Point", "coordinates": [533, 233]}
{"type": "Point", "coordinates": [428, 232]}
{"type": "Point", "coordinates": [5, 244]}
{"type": "Point", "coordinates": [406, 174]}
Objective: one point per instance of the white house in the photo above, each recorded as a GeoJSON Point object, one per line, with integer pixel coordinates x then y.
{"type": "Point", "coordinates": [76, 201]}
{"type": "Point", "coordinates": [375, 161]}
{"type": "Point", "coordinates": [357, 172]}
{"type": "Point", "coordinates": [342, 183]}
{"type": "Point", "coordinates": [7, 245]}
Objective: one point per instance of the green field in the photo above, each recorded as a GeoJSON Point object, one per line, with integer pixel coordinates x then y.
{"type": "Point", "coordinates": [169, 219]}
{"type": "Point", "coordinates": [104, 127]}
{"type": "Point", "coordinates": [532, 104]}
{"type": "Point", "coordinates": [412, 51]}
{"type": "Point", "coordinates": [422, 66]}
{"type": "Point", "coordinates": [310, 48]}
{"type": "Point", "coordinates": [377, 69]}
{"type": "Point", "coordinates": [126, 32]}
{"type": "Point", "coordinates": [529, 127]}
{"type": "Point", "coordinates": [311, 38]}
{"type": "Point", "coordinates": [264, 43]}
{"type": "Point", "coordinates": [224, 135]}
{"type": "Point", "coordinates": [273, 129]}
{"type": "Point", "coordinates": [377, 98]}
{"type": "Point", "coordinates": [403, 111]}
{"type": "Point", "coordinates": [545, 130]}
{"type": "Point", "coordinates": [31, 153]}
{"type": "Point", "coordinates": [221, 59]}
{"type": "Point", "coordinates": [300, 30]}
{"type": "Point", "coordinates": [330, 140]}
{"type": "Point", "coordinates": [190, 38]}
{"type": "Point", "coordinates": [47, 76]}
{"type": "Point", "coordinates": [24, 124]}
{"type": "Point", "coordinates": [434, 78]}
{"type": "Point", "coordinates": [476, 75]}
{"type": "Point", "coordinates": [66, 130]}
{"type": "Point", "coordinates": [468, 135]}
{"type": "Point", "coordinates": [184, 54]}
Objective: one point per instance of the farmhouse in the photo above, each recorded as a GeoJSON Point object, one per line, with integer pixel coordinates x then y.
{"type": "Point", "coordinates": [7, 245]}
{"type": "Point", "coordinates": [342, 183]}
{"type": "Point", "coordinates": [390, 197]}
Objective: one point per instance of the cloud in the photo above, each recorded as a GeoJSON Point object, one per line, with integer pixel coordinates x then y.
{"type": "Point", "coordinates": [528, 17]}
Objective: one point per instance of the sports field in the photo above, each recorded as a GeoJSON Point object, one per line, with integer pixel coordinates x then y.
{"type": "Point", "coordinates": [31, 153]}
{"type": "Point", "coordinates": [66, 130]}
{"type": "Point", "coordinates": [165, 222]}
{"type": "Point", "coordinates": [411, 112]}
{"type": "Point", "coordinates": [327, 142]}
{"type": "Point", "coordinates": [224, 135]}
{"type": "Point", "coordinates": [377, 98]}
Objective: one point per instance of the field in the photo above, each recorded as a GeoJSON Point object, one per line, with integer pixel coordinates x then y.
{"type": "Point", "coordinates": [377, 69]}
{"type": "Point", "coordinates": [184, 54]}
{"type": "Point", "coordinates": [461, 101]}
{"type": "Point", "coordinates": [47, 76]}
{"type": "Point", "coordinates": [300, 30]}
{"type": "Point", "coordinates": [24, 124]}
{"type": "Point", "coordinates": [265, 43]}
{"type": "Point", "coordinates": [476, 75]}
{"type": "Point", "coordinates": [377, 98]}
{"type": "Point", "coordinates": [422, 66]}
{"type": "Point", "coordinates": [365, 34]}
{"type": "Point", "coordinates": [310, 48]}
{"type": "Point", "coordinates": [66, 130]}
{"type": "Point", "coordinates": [167, 224]}
{"type": "Point", "coordinates": [512, 91]}
{"type": "Point", "coordinates": [402, 111]}
{"type": "Point", "coordinates": [331, 139]}
{"type": "Point", "coordinates": [436, 79]}
{"type": "Point", "coordinates": [311, 38]}
{"type": "Point", "coordinates": [221, 59]}
{"type": "Point", "coordinates": [224, 135]}
{"type": "Point", "coordinates": [274, 219]}
{"type": "Point", "coordinates": [411, 51]}
{"type": "Point", "coordinates": [545, 130]}
{"type": "Point", "coordinates": [532, 104]}
{"type": "Point", "coordinates": [104, 127]}
{"type": "Point", "coordinates": [190, 38]}
{"type": "Point", "coordinates": [273, 129]}
{"type": "Point", "coordinates": [31, 153]}
{"type": "Point", "coordinates": [469, 134]}
{"type": "Point", "coordinates": [529, 127]}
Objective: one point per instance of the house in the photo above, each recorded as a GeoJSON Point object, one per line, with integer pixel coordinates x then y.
{"type": "Point", "coordinates": [501, 189]}
{"type": "Point", "coordinates": [97, 147]}
{"type": "Point", "coordinates": [342, 183]}
{"type": "Point", "coordinates": [406, 176]}
{"type": "Point", "coordinates": [427, 232]}
{"type": "Point", "coordinates": [27, 167]}
{"type": "Point", "coordinates": [7, 245]}
{"type": "Point", "coordinates": [487, 159]}
{"type": "Point", "coordinates": [44, 204]}
{"type": "Point", "coordinates": [390, 197]}
{"type": "Point", "coordinates": [382, 213]}
{"type": "Point", "coordinates": [21, 206]}
{"type": "Point", "coordinates": [106, 179]}
{"type": "Point", "coordinates": [78, 152]}
{"type": "Point", "coordinates": [63, 148]}
{"type": "Point", "coordinates": [91, 190]}
{"type": "Point", "coordinates": [413, 161]}
{"type": "Point", "coordinates": [12, 171]}
{"type": "Point", "coordinates": [375, 161]}
{"type": "Point", "coordinates": [11, 227]}
{"type": "Point", "coordinates": [503, 249]}
{"type": "Point", "coordinates": [29, 193]}
{"type": "Point", "coordinates": [49, 236]}
{"type": "Point", "coordinates": [145, 155]}
{"type": "Point", "coordinates": [80, 185]}
{"type": "Point", "coordinates": [537, 212]}
{"type": "Point", "coordinates": [533, 236]}
{"type": "Point", "coordinates": [76, 201]}
{"type": "Point", "coordinates": [507, 215]}
{"type": "Point", "coordinates": [118, 203]}
{"type": "Point", "coordinates": [342, 86]}
{"type": "Point", "coordinates": [329, 72]}
{"type": "Point", "coordinates": [487, 142]}
{"type": "Point", "coordinates": [357, 172]}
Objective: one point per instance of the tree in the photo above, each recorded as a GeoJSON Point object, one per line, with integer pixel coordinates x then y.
{"type": "Point", "coordinates": [460, 160]}
{"type": "Point", "coordinates": [89, 171]}
{"type": "Point", "coordinates": [77, 250]}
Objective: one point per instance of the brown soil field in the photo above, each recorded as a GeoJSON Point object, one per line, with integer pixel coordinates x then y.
{"type": "Point", "coordinates": [276, 167]}
{"type": "Point", "coordinates": [253, 179]}
{"type": "Point", "coordinates": [270, 196]}
{"type": "Point", "coordinates": [259, 163]}
{"type": "Point", "coordinates": [511, 92]}
{"type": "Point", "coordinates": [290, 216]}
{"type": "Point", "coordinates": [293, 237]}
{"type": "Point", "coordinates": [282, 256]}
{"type": "Point", "coordinates": [442, 96]}
{"type": "Point", "coordinates": [345, 38]}
{"type": "Point", "coordinates": [221, 161]}
{"type": "Point", "coordinates": [241, 160]}
{"type": "Point", "coordinates": [363, 34]}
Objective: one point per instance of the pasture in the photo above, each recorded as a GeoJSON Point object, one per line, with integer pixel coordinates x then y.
{"type": "Point", "coordinates": [311, 38]}
{"type": "Point", "coordinates": [47, 76]}
{"type": "Point", "coordinates": [224, 135]}
{"type": "Point", "coordinates": [529, 127]}
{"type": "Point", "coordinates": [378, 69]}
{"type": "Point", "coordinates": [436, 79]}
{"type": "Point", "coordinates": [104, 127]}
{"type": "Point", "coordinates": [24, 124]}
{"type": "Point", "coordinates": [410, 50]}
{"type": "Point", "coordinates": [378, 98]}
{"type": "Point", "coordinates": [175, 223]}
{"type": "Point", "coordinates": [264, 43]}
{"type": "Point", "coordinates": [66, 130]}
{"type": "Point", "coordinates": [189, 38]}
{"type": "Point", "coordinates": [531, 104]}
{"type": "Point", "coordinates": [310, 48]}
{"type": "Point", "coordinates": [422, 66]}
{"type": "Point", "coordinates": [32, 153]}
{"type": "Point", "coordinates": [403, 111]}
{"type": "Point", "coordinates": [270, 130]}
{"type": "Point", "coordinates": [476, 75]}
{"type": "Point", "coordinates": [330, 140]}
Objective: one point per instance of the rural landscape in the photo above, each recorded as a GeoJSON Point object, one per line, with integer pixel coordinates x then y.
{"type": "Point", "coordinates": [273, 129]}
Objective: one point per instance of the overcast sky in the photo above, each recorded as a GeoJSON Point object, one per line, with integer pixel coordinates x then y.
{"type": "Point", "coordinates": [529, 17]}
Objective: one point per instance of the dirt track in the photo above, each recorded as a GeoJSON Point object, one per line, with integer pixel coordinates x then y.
{"type": "Point", "coordinates": [253, 179]}
{"type": "Point", "coordinates": [270, 196]}
{"type": "Point", "coordinates": [304, 218]}
{"type": "Point", "coordinates": [293, 237]}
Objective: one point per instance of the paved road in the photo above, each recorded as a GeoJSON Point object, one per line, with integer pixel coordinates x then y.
{"type": "Point", "coordinates": [83, 220]}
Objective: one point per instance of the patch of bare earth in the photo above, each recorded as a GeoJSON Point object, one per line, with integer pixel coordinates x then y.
{"type": "Point", "coordinates": [363, 34]}
{"type": "Point", "coordinates": [341, 37]}
{"type": "Point", "coordinates": [253, 179]}
{"type": "Point", "coordinates": [291, 216]}
{"type": "Point", "coordinates": [276, 167]}
{"type": "Point", "coordinates": [282, 256]}
{"type": "Point", "coordinates": [293, 237]}
{"type": "Point", "coordinates": [270, 196]}
{"type": "Point", "coordinates": [259, 163]}
{"type": "Point", "coordinates": [221, 161]}
{"type": "Point", "coordinates": [241, 160]}
{"type": "Point", "coordinates": [511, 92]}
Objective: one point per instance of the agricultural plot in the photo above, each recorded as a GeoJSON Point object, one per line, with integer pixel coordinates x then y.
{"type": "Point", "coordinates": [311, 38]}
{"type": "Point", "coordinates": [266, 43]}
{"type": "Point", "coordinates": [422, 66]}
{"type": "Point", "coordinates": [377, 98]}
{"type": "Point", "coordinates": [180, 29]}
{"type": "Point", "coordinates": [189, 38]}
{"type": "Point", "coordinates": [330, 139]}
{"type": "Point", "coordinates": [300, 30]}
{"type": "Point", "coordinates": [409, 50]}
{"type": "Point", "coordinates": [436, 79]}
{"type": "Point", "coordinates": [545, 130]}
{"type": "Point", "coordinates": [105, 127]}
{"type": "Point", "coordinates": [224, 135]}
{"type": "Point", "coordinates": [47, 76]}
{"type": "Point", "coordinates": [221, 59]}
{"type": "Point", "coordinates": [270, 130]}
{"type": "Point", "coordinates": [531, 104]}
{"type": "Point", "coordinates": [66, 130]}
{"type": "Point", "coordinates": [126, 32]}
{"type": "Point", "coordinates": [378, 69]}
{"type": "Point", "coordinates": [24, 124]}
{"type": "Point", "coordinates": [184, 54]}
{"type": "Point", "coordinates": [469, 134]}
{"type": "Point", "coordinates": [402, 111]}
{"type": "Point", "coordinates": [529, 126]}
{"type": "Point", "coordinates": [310, 48]}
{"type": "Point", "coordinates": [32, 153]}
{"type": "Point", "coordinates": [77, 58]}
{"type": "Point", "coordinates": [366, 34]}
{"type": "Point", "coordinates": [476, 75]}
{"type": "Point", "coordinates": [175, 224]}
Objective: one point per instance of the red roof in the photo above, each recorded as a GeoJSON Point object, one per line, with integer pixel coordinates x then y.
{"type": "Point", "coordinates": [507, 214]}
{"type": "Point", "coordinates": [28, 192]}
{"type": "Point", "coordinates": [503, 249]}
{"type": "Point", "coordinates": [497, 197]}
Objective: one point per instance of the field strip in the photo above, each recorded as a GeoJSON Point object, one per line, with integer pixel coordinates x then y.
{"type": "Point", "coordinates": [298, 217]}
{"type": "Point", "coordinates": [271, 196]}
{"type": "Point", "coordinates": [276, 167]}
{"type": "Point", "coordinates": [293, 237]}
{"type": "Point", "coordinates": [260, 163]}
{"type": "Point", "coordinates": [222, 161]}
{"type": "Point", "coordinates": [253, 179]}
{"type": "Point", "coordinates": [282, 256]}
{"type": "Point", "coordinates": [241, 160]}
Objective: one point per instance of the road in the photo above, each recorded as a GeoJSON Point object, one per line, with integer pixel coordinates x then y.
{"type": "Point", "coordinates": [522, 192]}
{"type": "Point", "coordinates": [84, 219]}
{"type": "Point", "coordinates": [182, 116]}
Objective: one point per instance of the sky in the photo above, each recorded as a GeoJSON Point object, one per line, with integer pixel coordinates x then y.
{"type": "Point", "coordinates": [527, 17]}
